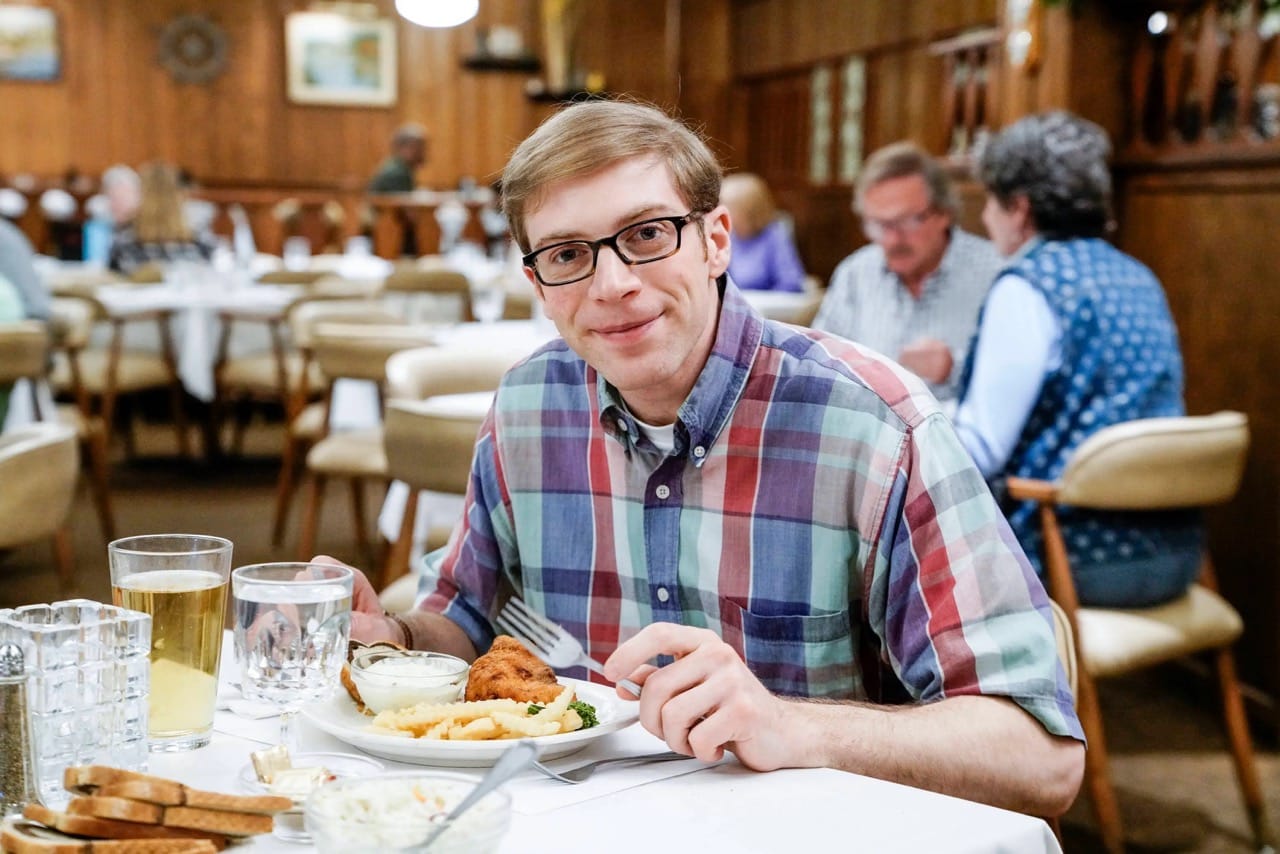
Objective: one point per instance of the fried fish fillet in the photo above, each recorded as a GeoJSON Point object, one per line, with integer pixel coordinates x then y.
{"type": "Point", "coordinates": [508, 670]}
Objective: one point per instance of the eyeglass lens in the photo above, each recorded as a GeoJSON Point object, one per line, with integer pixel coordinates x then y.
{"type": "Point", "coordinates": [641, 243]}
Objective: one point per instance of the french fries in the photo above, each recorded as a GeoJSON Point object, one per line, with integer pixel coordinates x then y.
{"type": "Point", "coordinates": [479, 720]}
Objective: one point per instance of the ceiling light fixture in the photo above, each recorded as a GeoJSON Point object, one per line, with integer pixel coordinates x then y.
{"type": "Point", "coordinates": [438, 13]}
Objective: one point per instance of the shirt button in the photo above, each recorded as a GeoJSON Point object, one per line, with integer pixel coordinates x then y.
{"type": "Point", "coordinates": [699, 452]}
{"type": "Point", "coordinates": [663, 595]}
{"type": "Point", "coordinates": [622, 425]}
{"type": "Point", "coordinates": [663, 492]}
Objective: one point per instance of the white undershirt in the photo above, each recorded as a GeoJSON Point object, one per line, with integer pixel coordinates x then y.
{"type": "Point", "coordinates": [664, 436]}
{"type": "Point", "coordinates": [1018, 344]}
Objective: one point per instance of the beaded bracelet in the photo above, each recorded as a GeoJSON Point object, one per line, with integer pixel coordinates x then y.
{"type": "Point", "coordinates": [404, 627]}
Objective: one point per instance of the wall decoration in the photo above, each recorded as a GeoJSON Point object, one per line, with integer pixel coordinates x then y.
{"type": "Point", "coordinates": [339, 59]}
{"type": "Point", "coordinates": [29, 43]}
{"type": "Point", "coordinates": [854, 90]}
{"type": "Point", "coordinates": [193, 48]}
{"type": "Point", "coordinates": [820, 125]}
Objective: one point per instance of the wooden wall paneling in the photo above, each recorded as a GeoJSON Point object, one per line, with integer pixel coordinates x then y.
{"type": "Point", "coordinates": [1209, 237]}
{"type": "Point", "coordinates": [706, 94]}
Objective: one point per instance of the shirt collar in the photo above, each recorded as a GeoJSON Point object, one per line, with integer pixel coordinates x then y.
{"type": "Point", "coordinates": [709, 406]}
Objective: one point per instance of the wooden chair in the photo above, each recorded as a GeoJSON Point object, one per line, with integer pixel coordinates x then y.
{"type": "Point", "coordinates": [409, 281]}
{"type": "Point", "coordinates": [359, 352]}
{"type": "Point", "coordinates": [38, 467]}
{"type": "Point", "coordinates": [427, 447]}
{"type": "Point", "coordinates": [24, 354]}
{"type": "Point", "coordinates": [1151, 464]}
{"type": "Point", "coordinates": [102, 374]}
{"type": "Point", "coordinates": [305, 418]}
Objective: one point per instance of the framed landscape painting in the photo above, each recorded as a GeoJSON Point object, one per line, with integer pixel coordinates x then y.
{"type": "Point", "coordinates": [28, 43]}
{"type": "Point", "coordinates": [341, 60]}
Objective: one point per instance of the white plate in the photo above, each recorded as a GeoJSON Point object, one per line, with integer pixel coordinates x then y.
{"type": "Point", "coordinates": [338, 717]}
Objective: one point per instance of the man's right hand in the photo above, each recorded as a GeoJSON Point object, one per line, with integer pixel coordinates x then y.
{"type": "Point", "coordinates": [369, 622]}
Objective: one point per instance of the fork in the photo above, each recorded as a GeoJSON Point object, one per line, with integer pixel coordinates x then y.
{"type": "Point", "coordinates": [552, 643]}
{"type": "Point", "coordinates": [581, 773]}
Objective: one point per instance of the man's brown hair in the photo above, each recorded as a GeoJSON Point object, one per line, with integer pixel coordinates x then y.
{"type": "Point", "coordinates": [903, 159]}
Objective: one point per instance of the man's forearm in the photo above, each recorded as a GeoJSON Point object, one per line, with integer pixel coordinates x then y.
{"type": "Point", "coordinates": [980, 748]}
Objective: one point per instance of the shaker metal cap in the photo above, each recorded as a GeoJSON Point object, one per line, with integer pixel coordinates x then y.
{"type": "Point", "coordinates": [11, 663]}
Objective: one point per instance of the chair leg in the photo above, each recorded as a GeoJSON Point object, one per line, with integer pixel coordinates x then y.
{"type": "Point", "coordinates": [284, 487]}
{"type": "Point", "coordinates": [310, 518]}
{"type": "Point", "coordinates": [96, 446]}
{"type": "Point", "coordinates": [358, 517]}
{"type": "Point", "coordinates": [1097, 775]}
{"type": "Point", "coordinates": [1237, 726]}
{"type": "Point", "coordinates": [242, 415]}
{"type": "Point", "coordinates": [63, 555]}
{"type": "Point", "coordinates": [398, 558]}
{"type": "Point", "coordinates": [180, 419]}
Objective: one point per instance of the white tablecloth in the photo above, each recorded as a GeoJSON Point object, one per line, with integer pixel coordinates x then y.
{"type": "Point", "coordinates": [681, 806]}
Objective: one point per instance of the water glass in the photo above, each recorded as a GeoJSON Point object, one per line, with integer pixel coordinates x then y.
{"type": "Point", "coordinates": [89, 675]}
{"type": "Point", "coordinates": [181, 581]}
{"type": "Point", "coordinates": [292, 623]}
{"type": "Point", "coordinates": [297, 253]}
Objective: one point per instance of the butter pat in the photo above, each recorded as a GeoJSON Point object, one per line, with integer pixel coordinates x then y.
{"type": "Point", "coordinates": [298, 783]}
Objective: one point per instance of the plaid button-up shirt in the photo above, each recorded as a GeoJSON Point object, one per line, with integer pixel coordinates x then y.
{"type": "Point", "coordinates": [816, 500]}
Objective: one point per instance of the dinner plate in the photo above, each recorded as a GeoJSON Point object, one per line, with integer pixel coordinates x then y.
{"type": "Point", "coordinates": [338, 717]}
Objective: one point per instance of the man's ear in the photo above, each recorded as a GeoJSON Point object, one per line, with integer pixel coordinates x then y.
{"type": "Point", "coordinates": [718, 245]}
{"type": "Point", "coordinates": [533, 280]}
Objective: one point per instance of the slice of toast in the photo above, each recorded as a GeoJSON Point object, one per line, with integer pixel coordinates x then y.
{"type": "Point", "coordinates": [24, 837]}
{"type": "Point", "coordinates": [170, 794]}
{"type": "Point", "coordinates": [222, 822]}
{"type": "Point", "coordinates": [106, 828]}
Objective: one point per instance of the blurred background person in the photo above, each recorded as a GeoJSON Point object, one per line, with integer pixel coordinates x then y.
{"type": "Point", "coordinates": [17, 268]}
{"type": "Point", "coordinates": [12, 308]}
{"type": "Point", "coordinates": [913, 293]}
{"type": "Point", "coordinates": [1074, 336]}
{"type": "Point", "coordinates": [408, 152]}
{"type": "Point", "coordinates": [764, 253]}
{"type": "Point", "coordinates": [395, 175]}
{"type": "Point", "coordinates": [159, 231]}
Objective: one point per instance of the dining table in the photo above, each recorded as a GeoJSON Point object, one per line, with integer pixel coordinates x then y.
{"type": "Point", "coordinates": [680, 806]}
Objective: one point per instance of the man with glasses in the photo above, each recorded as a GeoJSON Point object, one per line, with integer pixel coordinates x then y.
{"type": "Point", "coordinates": [913, 293]}
{"type": "Point", "coordinates": [767, 528]}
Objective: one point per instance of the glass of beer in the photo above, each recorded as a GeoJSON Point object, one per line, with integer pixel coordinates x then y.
{"type": "Point", "coordinates": [181, 581]}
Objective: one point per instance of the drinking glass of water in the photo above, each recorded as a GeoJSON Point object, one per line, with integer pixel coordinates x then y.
{"type": "Point", "coordinates": [292, 622]}
{"type": "Point", "coordinates": [487, 299]}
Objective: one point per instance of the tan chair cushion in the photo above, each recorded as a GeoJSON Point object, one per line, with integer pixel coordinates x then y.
{"type": "Point", "coordinates": [134, 372]}
{"type": "Point", "coordinates": [354, 453]}
{"type": "Point", "coordinates": [1115, 641]}
{"type": "Point", "coordinates": [24, 350]}
{"type": "Point", "coordinates": [39, 465]}
{"type": "Point", "coordinates": [427, 450]}
{"type": "Point", "coordinates": [309, 423]}
{"type": "Point", "coordinates": [257, 374]}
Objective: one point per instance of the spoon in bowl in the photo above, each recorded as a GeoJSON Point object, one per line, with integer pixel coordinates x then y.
{"type": "Point", "coordinates": [517, 758]}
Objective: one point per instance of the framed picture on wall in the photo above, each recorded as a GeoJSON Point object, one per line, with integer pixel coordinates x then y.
{"type": "Point", "coordinates": [337, 59]}
{"type": "Point", "coordinates": [29, 43]}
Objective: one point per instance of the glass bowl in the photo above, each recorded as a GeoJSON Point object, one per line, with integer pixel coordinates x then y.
{"type": "Point", "coordinates": [395, 812]}
{"type": "Point", "coordinates": [343, 766]}
{"type": "Point", "coordinates": [390, 679]}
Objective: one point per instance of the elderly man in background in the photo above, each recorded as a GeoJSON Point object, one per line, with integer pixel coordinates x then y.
{"type": "Point", "coordinates": [914, 292]}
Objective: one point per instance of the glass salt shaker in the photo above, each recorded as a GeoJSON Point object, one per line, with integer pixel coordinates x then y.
{"type": "Point", "coordinates": [17, 757]}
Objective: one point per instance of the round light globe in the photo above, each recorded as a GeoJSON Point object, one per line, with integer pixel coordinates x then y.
{"type": "Point", "coordinates": [438, 13]}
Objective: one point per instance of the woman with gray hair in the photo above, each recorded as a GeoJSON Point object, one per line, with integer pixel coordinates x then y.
{"type": "Point", "coordinates": [1074, 336]}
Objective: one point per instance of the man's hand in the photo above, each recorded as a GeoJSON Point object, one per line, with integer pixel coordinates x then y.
{"type": "Point", "coordinates": [707, 700]}
{"type": "Point", "coordinates": [369, 622]}
{"type": "Point", "coordinates": [928, 358]}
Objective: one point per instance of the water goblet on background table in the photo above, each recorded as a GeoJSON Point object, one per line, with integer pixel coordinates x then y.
{"type": "Point", "coordinates": [181, 581]}
{"type": "Point", "coordinates": [292, 624]}
{"type": "Point", "coordinates": [488, 297]}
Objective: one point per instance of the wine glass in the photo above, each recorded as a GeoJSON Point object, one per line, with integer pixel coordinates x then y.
{"type": "Point", "coordinates": [292, 623]}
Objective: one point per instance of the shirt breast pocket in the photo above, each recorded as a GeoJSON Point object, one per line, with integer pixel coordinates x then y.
{"type": "Point", "coordinates": [807, 655]}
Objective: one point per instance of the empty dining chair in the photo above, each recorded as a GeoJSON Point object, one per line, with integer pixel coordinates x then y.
{"type": "Point", "coordinates": [98, 375]}
{"type": "Point", "coordinates": [38, 467]}
{"type": "Point", "coordinates": [306, 411]}
{"type": "Point", "coordinates": [1149, 465]}
{"type": "Point", "coordinates": [429, 444]}
{"type": "Point", "coordinates": [355, 352]}
{"type": "Point", "coordinates": [406, 282]}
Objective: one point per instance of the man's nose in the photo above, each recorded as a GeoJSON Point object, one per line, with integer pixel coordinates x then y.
{"type": "Point", "coordinates": [614, 277]}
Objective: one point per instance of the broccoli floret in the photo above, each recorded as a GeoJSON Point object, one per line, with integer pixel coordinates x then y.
{"type": "Point", "coordinates": [587, 712]}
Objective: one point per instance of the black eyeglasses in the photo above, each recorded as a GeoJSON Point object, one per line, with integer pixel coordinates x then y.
{"type": "Point", "coordinates": [639, 243]}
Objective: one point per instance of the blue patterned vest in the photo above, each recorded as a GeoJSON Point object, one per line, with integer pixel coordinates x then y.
{"type": "Point", "coordinates": [1120, 362]}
